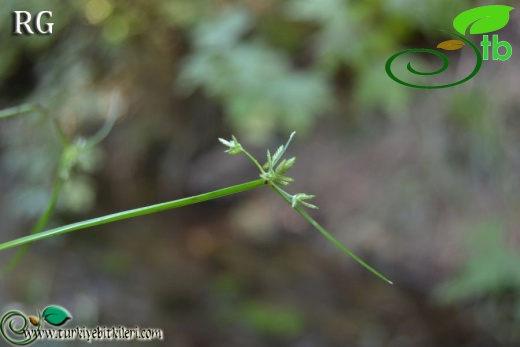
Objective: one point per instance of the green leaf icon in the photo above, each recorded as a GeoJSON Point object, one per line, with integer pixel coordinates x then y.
{"type": "Point", "coordinates": [483, 19]}
{"type": "Point", "coordinates": [56, 315]}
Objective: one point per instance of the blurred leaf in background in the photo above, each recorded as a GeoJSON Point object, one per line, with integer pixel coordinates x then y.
{"type": "Point", "coordinates": [255, 81]}
{"type": "Point", "coordinates": [490, 279]}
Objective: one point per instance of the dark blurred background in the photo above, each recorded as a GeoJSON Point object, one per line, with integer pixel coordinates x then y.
{"type": "Point", "coordinates": [423, 184]}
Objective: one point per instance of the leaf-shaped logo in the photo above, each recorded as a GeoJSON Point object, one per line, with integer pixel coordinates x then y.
{"type": "Point", "coordinates": [34, 320]}
{"type": "Point", "coordinates": [451, 45]}
{"type": "Point", "coordinates": [56, 315]}
{"type": "Point", "coordinates": [483, 19]}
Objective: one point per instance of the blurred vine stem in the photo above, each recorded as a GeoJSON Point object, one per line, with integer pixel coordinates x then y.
{"type": "Point", "coordinates": [272, 174]}
{"type": "Point", "coordinates": [69, 154]}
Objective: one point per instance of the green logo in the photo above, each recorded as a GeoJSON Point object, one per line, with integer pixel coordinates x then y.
{"type": "Point", "coordinates": [15, 325]}
{"type": "Point", "coordinates": [479, 20]}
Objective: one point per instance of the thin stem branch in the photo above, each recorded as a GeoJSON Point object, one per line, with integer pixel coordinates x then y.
{"type": "Point", "coordinates": [56, 125]}
{"type": "Point", "coordinates": [16, 111]}
{"type": "Point", "coordinates": [113, 113]}
{"type": "Point", "coordinates": [38, 226]}
{"type": "Point", "coordinates": [325, 233]}
{"type": "Point", "coordinates": [30, 108]}
{"type": "Point", "coordinates": [134, 213]}
{"type": "Point", "coordinates": [254, 161]}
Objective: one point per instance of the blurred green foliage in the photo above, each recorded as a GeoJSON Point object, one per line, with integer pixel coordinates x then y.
{"type": "Point", "coordinates": [271, 320]}
{"type": "Point", "coordinates": [241, 56]}
{"type": "Point", "coordinates": [261, 316]}
{"type": "Point", "coordinates": [492, 268]}
{"type": "Point", "coordinates": [491, 279]}
{"type": "Point", "coordinates": [256, 82]}
{"type": "Point", "coordinates": [272, 65]}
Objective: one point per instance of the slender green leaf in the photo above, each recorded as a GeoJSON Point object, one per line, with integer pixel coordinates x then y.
{"type": "Point", "coordinates": [331, 238]}
{"type": "Point", "coordinates": [134, 213]}
{"type": "Point", "coordinates": [15, 111]}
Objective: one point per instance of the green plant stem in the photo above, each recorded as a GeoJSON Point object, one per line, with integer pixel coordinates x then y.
{"type": "Point", "coordinates": [15, 111]}
{"type": "Point", "coordinates": [30, 108]}
{"type": "Point", "coordinates": [113, 114]}
{"type": "Point", "coordinates": [134, 213]}
{"type": "Point", "coordinates": [60, 176]}
{"type": "Point", "coordinates": [38, 226]}
{"type": "Point", "coordinates": [325, 233]}
{"type": "Point", "coordinates": [58, 182]}
{"type": "Point", "coordinates": [56, 125]}
{"type": "Point", "coordinates": [254, 161]}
